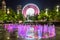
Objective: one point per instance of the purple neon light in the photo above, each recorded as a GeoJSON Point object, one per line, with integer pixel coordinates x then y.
{"type": "Point", "coordinates": [43, 31]}
{"type": "Point", "coordinates": [52, 31]}
{"type": "Point", "coordinates": [40, 28]}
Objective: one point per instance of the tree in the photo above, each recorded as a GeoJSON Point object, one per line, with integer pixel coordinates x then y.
{"type": "Point", "coordinates": [3, 15]}
{"type": "Point", "coordinates": [20, 17]}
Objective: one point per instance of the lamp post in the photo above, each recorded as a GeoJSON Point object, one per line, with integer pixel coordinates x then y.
{"type": "Point", "coordinates": [17, 10]}
{"type": "Point", "coordinates": [46, 11]}
{"type": "Point", "coordinates": [57, 12]}
{"type": "Point", "coordinates": [8, 11]}
{"type": "Point", "coordinates": [57, 8]}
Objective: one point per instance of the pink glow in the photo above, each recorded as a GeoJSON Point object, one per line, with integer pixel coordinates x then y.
{"type": "Point", "coordinates": [30, 5]}
{"type": "Point", "coordinates": [43, 31]}
{"type": "Point", "coordinates": [52, 31]}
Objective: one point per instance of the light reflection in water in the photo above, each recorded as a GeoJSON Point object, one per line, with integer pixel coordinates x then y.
{"type": "Point", "coordinates": [32, 31]}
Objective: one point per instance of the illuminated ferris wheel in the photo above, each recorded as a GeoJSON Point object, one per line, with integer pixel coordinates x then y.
{"type": "Point", "coordinates": [30, 9]}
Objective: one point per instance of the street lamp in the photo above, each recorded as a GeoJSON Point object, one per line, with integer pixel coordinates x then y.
{"type": "Point", "coordinates": [8, 11]}
{"type": "Point", "coordinates": [57, 8]}
{"type": "Point", "coordinates": [46, 11]}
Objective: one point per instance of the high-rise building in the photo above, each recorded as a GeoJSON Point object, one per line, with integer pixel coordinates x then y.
{"type": "Point", "coordinates": [19, 9]}
{"type": "Point", "coordinates": [4, 5]}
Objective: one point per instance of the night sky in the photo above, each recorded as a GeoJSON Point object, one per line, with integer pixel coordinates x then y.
{"type": "Point", "coordinates": [42, 4]}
